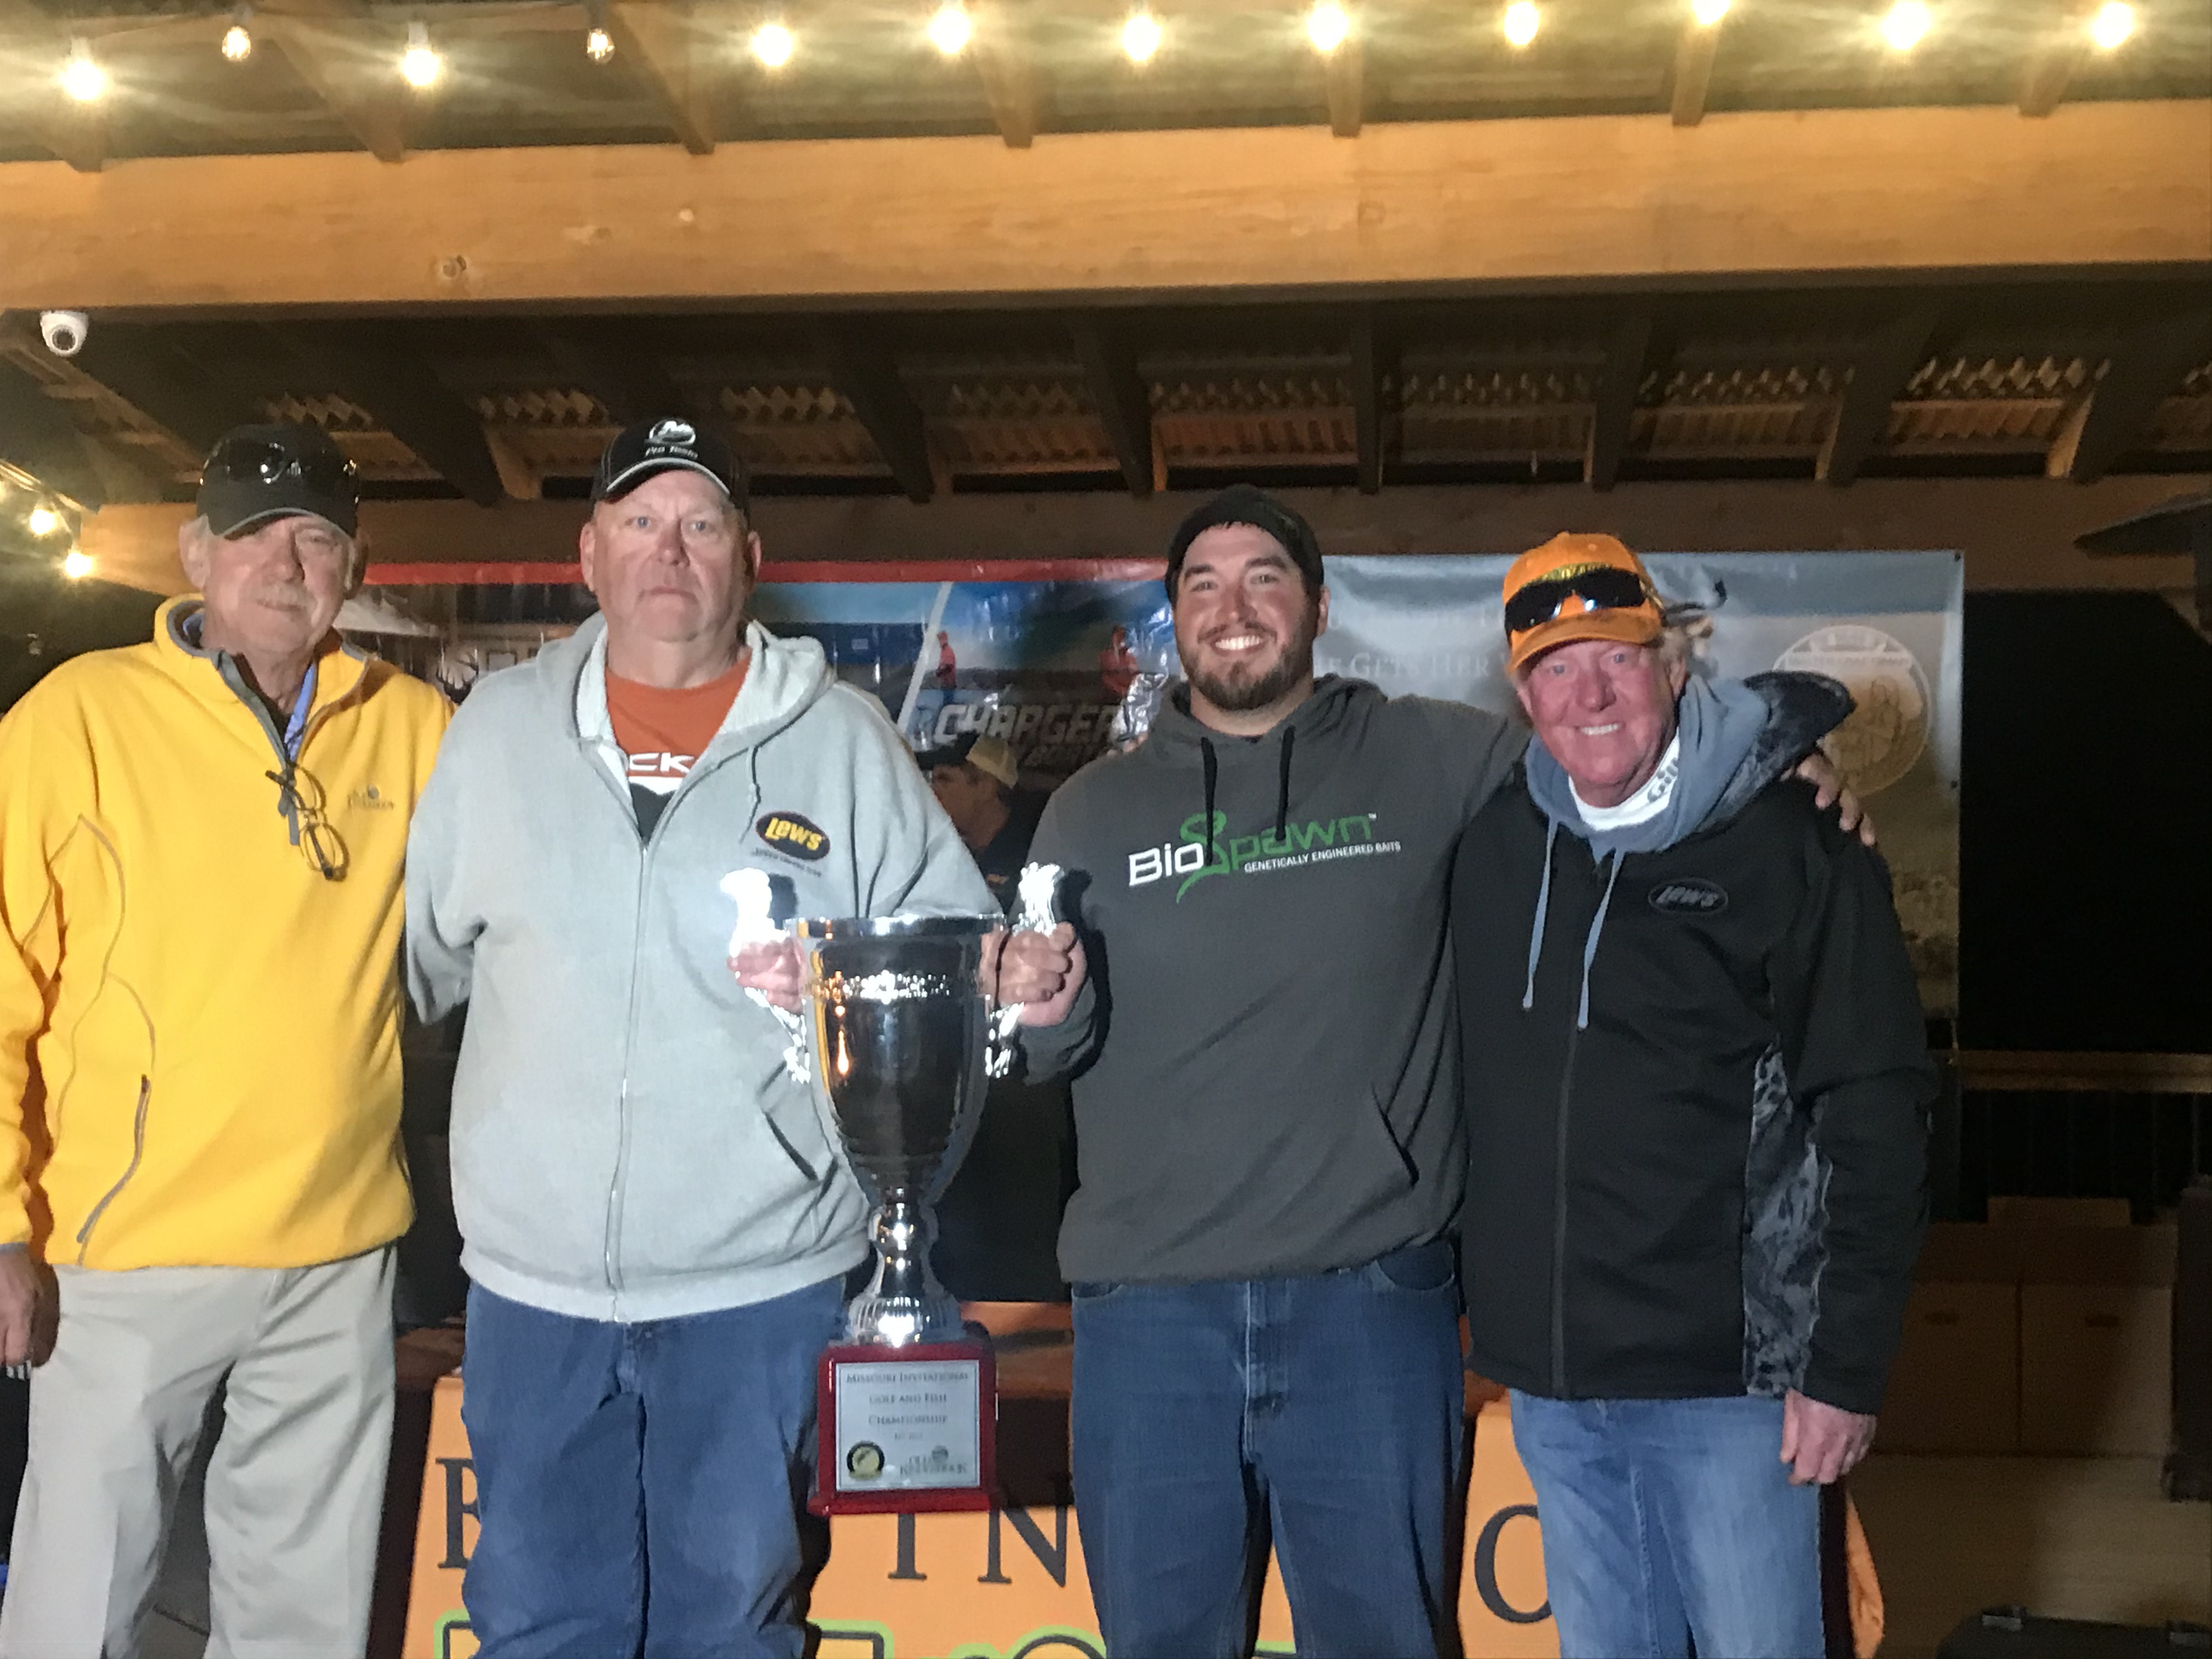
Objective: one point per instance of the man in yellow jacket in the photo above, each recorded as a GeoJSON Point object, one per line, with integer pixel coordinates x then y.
{"type": "Point", "coordinates": [201, 847]}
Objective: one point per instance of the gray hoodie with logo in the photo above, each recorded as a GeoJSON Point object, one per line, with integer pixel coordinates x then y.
{"type": "Point", "coordinates": [626, 1145]}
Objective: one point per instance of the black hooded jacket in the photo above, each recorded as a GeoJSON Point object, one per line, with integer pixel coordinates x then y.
{"type": "Point", "coordinates": [1716, 1186]}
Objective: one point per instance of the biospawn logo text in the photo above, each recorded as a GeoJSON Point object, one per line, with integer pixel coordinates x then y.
{"type": "Point", "coordinates": [1198, 855]}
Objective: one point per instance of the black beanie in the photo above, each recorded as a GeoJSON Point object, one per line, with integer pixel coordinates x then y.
{"type": "Point", "coordinates": [1249, 504]}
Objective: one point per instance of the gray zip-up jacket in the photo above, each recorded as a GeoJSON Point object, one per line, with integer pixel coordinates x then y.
{"type": "Point", "coordinates": [626, 1145]}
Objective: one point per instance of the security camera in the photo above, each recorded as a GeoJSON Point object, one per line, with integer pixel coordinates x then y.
{"type": "Point", "coordinates": [64, 331]}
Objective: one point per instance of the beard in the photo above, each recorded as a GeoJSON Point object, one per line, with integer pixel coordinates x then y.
{"type": "Point", "coordinates": [1244, 687]}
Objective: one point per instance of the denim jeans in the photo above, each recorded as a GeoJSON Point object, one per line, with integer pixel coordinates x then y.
{"type": "Point", "coordinates": [1668, 1519]}
{"type": "Point", "coordinates": [641, 1488]}
{"type": "Point", "coordinates": [1326, 1410]}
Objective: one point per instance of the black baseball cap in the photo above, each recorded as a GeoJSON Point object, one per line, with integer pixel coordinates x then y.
{"type": "Point", "coordinates": [1249, 504]}
{"type": "Point", "coordinates": [257, 473]}
{"type": "Point", "coordinates": [661, 445]}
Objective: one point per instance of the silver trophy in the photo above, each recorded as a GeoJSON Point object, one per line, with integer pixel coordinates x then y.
{"type": "Point", "coordinates": [901, 1039]}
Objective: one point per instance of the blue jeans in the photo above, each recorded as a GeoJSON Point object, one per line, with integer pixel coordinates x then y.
{"type": "Point", "coordinates": [641, 1488]}
{"type": "Point", "coordinates": [1328, 1410]}
{"type": "Point", "coordinates": [1665, 1519]}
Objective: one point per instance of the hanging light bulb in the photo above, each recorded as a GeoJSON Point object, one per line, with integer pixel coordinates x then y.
{"type": "Point", "coordinates": [950, 29]}
{"type": "Point", "coordinates": [238, 40]}
{"type": "Point", "coordinates": [1907, 22]}
{"type": "Point", "coordinates": [1328, 25]}
{"type": "Point", "coordinates": [43, 522]}
{"type": "Point", "coordinates": [420, 65]}
{"type": "Point", "coordinates": [773, 44]}
{"type": "Point", "coordinates": [1140, 36]}
{"type": "Point", "coordinates": [81, 78]}
{"type": "Point", "coordinates": [598, 46]}
{"type": "Point", "coordinates": [76, 564]}
{"type": "Point", "coordinates": [1708, 12]}
{"type": "Point", "coordinates": [2111, 26]}
{"type": "Point", "coordinates": [1521, 23]}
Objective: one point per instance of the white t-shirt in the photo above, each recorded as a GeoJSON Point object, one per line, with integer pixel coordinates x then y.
{"type": "Point", "coordinates": [1648, 802]}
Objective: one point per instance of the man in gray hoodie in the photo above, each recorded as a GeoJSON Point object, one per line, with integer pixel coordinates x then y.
{"type": "Point", "coordinates": [656, 1228]}
{"type": "Point", "coordinates": [1270, 1155]}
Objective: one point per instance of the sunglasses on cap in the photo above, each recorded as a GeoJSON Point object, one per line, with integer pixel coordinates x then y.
{"type": "Point", "coordinates": [266, 461]}
{"type": "Point", "coordinates": [1600, 587]}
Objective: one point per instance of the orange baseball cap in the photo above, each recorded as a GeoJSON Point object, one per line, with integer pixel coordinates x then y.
{"type": "Point", "coordinates": [1578, 586]}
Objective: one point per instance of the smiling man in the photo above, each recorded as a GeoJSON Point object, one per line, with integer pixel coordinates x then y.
{"type": "Point", "coordinates": [657, 1229]}
{"type": "Point", "coordinates": [1696, 1086]}
{"type": "Point", "coordinates": [201, 843]}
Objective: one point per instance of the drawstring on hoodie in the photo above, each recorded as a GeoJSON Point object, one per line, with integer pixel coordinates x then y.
{"type": "Point", "coordinates": [1209, 765]}
{"type": "Point", "coordinates": [1589, 944]}
{"type": "Point", "coordinates": [1212, 767]}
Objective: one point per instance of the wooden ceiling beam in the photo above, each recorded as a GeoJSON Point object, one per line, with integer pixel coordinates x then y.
{"type": "Point", "coordinates": [375, 366]}
{"type": "Point", "coordinates": [352, 66]}
{"type": "Point", "coordinates": [1007, 65]}
{"type": "Point", "coordinates": [1627, 357]}
{"type": "Point", "coordinates": [2052, 60]}
{"type": "Point", "coordinates": [38, 435]}
{"type": "Point", "coordinates": [1346, 70]}
{"type": "Point", "coordinates": [656, 44]}
{"type": "Point", "coordinates": [1119, 393]}
{"type": "Point", "coordinates": [1450, 208]}
{"type": "Point", "coordinates": [1374, 372]}
{"type": "Point", "coordinates": [2146, 366]}
{"type": "Point", "coordinates": [1883, 364]}
{"type": "Point", "coordinates": [1693, 69]}
{"type": "Point", "coordinates": [168, 390]}
{"type": "Point", "coordinates": [626, 378]}
{"type": "Point", "coordinates": [864, 371]}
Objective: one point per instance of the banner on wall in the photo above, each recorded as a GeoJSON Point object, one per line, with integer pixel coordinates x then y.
{"type": "Point", "coordinates": [1052, 665]}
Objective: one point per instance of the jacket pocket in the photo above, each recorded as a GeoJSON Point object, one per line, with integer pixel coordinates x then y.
{"type": "Point", "coordinates": [138, 1156]}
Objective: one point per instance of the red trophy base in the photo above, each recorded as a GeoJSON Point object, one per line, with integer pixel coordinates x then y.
{"type": "Point", "coordinates": [906, 1430]}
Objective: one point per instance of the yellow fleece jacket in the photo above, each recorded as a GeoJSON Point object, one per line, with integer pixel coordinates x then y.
{"type": "Point", "coordinates": [199, 1031]}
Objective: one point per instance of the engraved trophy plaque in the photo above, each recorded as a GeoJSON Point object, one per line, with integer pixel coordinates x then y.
{"type": "Point", "coordinates": [899, 1040]}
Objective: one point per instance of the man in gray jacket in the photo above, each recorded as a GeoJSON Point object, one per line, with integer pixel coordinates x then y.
{"type": "Point", "coordinates": [656, 1228]}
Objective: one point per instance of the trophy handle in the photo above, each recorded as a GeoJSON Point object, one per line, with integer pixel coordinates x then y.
{"type": "Point", "coordinates": [1040, 893]}
{"type": "Point", "coordinates": [755, 896]}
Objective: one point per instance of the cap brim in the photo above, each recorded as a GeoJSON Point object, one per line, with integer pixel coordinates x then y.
{"type": "Point", "coordinates": [631, 476]}
{"type": "Point", "coordinates": [231, 509]}
{"type": "Point", "coordinates": [1640, 626]}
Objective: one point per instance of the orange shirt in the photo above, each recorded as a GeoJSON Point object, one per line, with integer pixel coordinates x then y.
{"type": "Point", "coordinates": [663, 732]}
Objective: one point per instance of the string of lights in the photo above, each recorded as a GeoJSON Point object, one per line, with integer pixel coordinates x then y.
{"type": "Point", "coordinates": [1329, 24]}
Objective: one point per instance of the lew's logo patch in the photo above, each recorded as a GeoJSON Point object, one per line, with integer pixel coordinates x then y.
{"type": "Point", "coordinates": [1689, 898]}
{"type": "Point", "coordinates": [788, 832]}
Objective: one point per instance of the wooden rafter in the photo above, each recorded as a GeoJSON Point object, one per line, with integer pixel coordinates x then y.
{"type": "Point", "coordinates": [1885, 361]}
{"type": "Point", "coordinates": [656, 44]}
{"type": "Point", "coordinates": [1119, 393]}
{"type": "Point", "coordinates": [1627, 354]}
{"type": "Point", "coordinates": [375, 366]}
{"type": "Point", "coordinates": [38, 436]}
{"type": "Point", "coordinates": [864, 371]}
{"type": "Point", "coordinates": [350, 64]}
{"type": "Point", "coordinates": [1007, 67]}
{"type": "Point", "coordinates": [2051, 61]}
{"type": "Point", "coordinates": [168, 390]}
{"type": "Point", "coordinates": [1345, 71]}
{"type": "Point", "coordinates": [2147, 363]}
{"type": "Point", "coordinates": [625, 377]}
{"type": "Point", "coordinates": [1693, 69]}
{"type": "Point", "coordinates": [1374, 371]}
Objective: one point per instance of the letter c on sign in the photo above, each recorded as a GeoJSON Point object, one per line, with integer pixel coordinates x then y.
{"type": "Point", "coordinates": [1486, 1569]}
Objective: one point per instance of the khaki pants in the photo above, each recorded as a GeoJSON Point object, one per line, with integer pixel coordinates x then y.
{"type": "Point", "coordinates": [296, 1486]}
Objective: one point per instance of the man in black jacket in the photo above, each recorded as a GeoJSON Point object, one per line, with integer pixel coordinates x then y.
{"type": "Point", "coordinates": [1696, 1088]}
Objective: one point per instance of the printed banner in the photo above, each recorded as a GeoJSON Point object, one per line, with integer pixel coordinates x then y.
{"type": "Point", "coordinates": [1059, 667]}
{"type": "Point", "coordinates": [1003, 1584]}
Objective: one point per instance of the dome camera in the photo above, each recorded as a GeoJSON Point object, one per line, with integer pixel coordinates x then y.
{"type": "Point", "coordinates": [64, 331]}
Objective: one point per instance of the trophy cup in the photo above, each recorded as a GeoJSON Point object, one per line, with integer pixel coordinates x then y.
{"type": "Point", "coordinates": [900, 1039]}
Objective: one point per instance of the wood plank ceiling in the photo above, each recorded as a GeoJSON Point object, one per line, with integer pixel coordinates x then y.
{"type": "Point", "coordinates": [2067, 379]}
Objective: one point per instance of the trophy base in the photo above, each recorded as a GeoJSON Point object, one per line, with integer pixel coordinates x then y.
{"type": "Point", "coordinates": [903, 1430]}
